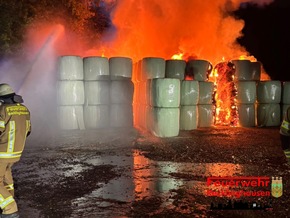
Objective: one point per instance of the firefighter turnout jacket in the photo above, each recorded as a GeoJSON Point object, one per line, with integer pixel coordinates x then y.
{"type": "Point", "coordinates": [285, 126]}
{"type": "Point", "coordinates": [14, 128]}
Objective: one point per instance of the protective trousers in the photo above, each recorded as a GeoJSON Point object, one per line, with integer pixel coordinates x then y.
{"type": "Point", "coordinates": [285, 141]}
{"type": "Point", "coordinates": [7, 201]}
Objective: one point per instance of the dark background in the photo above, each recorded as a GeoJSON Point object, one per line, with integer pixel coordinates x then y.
{"type": "Point", "coordinates": [267, 36]}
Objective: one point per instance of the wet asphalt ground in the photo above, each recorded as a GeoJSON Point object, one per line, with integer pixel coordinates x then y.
{"type": "Point", "coordinates": [123, 173]}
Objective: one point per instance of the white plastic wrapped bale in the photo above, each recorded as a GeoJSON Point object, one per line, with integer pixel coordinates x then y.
{"type": "Point", "coordinates": [70, 68]}
{"type": "Point", "coordinates": [97, 92]}
{"type": "Point", "coordinates": [242, 69]}
{"type": "Point", "coordinates": [256, 70]}
{"type": "Point", "coordinates": [96, 68]}
{"type": "Point", "coordinates": [165, 122]}
{"type": "Point", "coordinates": [188, 117]}
{"type": "Point", "coordinates": [175, 69]}
{"type": "Point", "coordinates": [189, 92]}
{"type": "Point", "coordinates": [165, 93]}
{"type": "Point", "coordinates": [205, 115]}
{"type": "Point", "coordinates": [199, 69]}
{"type": "Point", "coordinates": [246, 92]}
{"type": "Point", "coordinates": [149, 118]}
{"type": "Point", "coordinates": [120, 68]}
{"type": "Point", "coordinates": [206, 90]}
{"type": "Point", "coordinates": [121, 92]}
{"type": "Point", "coordinates": [70, 93]}
{"type": "Point", "coordinates": [96, 116]}
{"type": "Point", "coordinates": [247, 115]}
{"type": "Point", "coordinates": [286, 93]}
{"type": "Point", "coordinates": [284, 110]}
{"type": "Point", "coordinates": [268, 115]}
{"type": "Point", "coordinates": [121, 115]}
{"type": "Point", "coordinates": [71, 117]}
{"type": "Point", "coordinates": [269, 92]}
{"type": "Point", "coordinates": [148, 92]}
{"type": "Point", "coordinates": [152, 68]}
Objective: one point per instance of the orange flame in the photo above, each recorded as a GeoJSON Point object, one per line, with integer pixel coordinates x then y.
{"type": "Point", "coordinates": [223, 78]}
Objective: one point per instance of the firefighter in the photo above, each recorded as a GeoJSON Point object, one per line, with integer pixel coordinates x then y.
{"type": "Point", "coordinates": [285, 134]}
{"type": "Point", "coordinates": [14, 128]}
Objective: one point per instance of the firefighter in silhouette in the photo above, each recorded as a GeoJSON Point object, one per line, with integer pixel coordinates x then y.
{"type": "Point", "coordinates": [14, 128]}
{"type": "Point", "coordinates": [285, 134]}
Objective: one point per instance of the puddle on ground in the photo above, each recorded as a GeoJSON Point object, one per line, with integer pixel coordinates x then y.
{"type": "Point", "coordinates": [142, 178]}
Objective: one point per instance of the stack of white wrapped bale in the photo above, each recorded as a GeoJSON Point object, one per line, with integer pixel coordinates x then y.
{"type": "Point", "coordinates": [268, 107]}
{"type": "Point", "coordinates": [97, 92]}
{"type": "Point", "coordinates": [164, 98]}
{"type": "Point", "coordinates": [188, 104]}
{"type": "Point", "coordinates": [70, 93]}
{"type": "Point", "coordinates": [157, 99]}
{"type": "Point", "coordinates": [189, 94]}
{"type": "Point", "coordinates": [247, 74]}
{"type": "Point", "coordinates": [121, 94]}
{"type": "Point", "coordinates": [200, 69]}
{"type": "Point", "coordinates": [285, 98]}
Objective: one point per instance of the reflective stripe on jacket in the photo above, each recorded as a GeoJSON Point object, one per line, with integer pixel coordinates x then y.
{"type": "Point", "coordinates": [285, 126]}
{"type": "Point", "coordinates": [14, 127]}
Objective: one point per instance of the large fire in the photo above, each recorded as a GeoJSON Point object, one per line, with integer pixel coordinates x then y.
{"type": "Point", "coordinates": [197, 29]}
{"type": "Point", "coordinates": [193, 29]}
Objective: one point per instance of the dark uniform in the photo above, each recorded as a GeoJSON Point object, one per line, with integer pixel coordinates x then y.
{"type": "Point", "coordinates": [285, 134]}
{"type": "Point", "coordinates": [14, 128]}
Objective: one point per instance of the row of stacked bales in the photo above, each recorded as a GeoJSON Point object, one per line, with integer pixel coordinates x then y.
{"type": "Point", "coordinates": [94, 92]}
{"type": "Point", "coordinates": [164, 102]}
{"type": "Point", "coordinates": [156, 98]}
{"type": "Point", "coordinates": [199, 71]}
{"type": "Point", "coordinates": [97, 92]}
{"type": "Point", "coordinates": [258, 102]}
{"type": "Point", "coordinates": [245, 79]}
{"type": "Point", "coordinates": [189, 93]}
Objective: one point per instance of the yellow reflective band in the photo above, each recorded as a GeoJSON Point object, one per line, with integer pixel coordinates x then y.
{"type": "Point", "coordinates": [287, 152]}
{"type": "Point", "coordinates": [285, 125]}
{"type": "Point", "coordinates": [10, 155]}
{"type": "Point", "coordinates": [11, 136]}
{"type": "Point", "coordinates": [2, 124]}
{"type": "Point", "coordinates": [9, 187]}
{"type": "Point", "coordinates": [6, 202]}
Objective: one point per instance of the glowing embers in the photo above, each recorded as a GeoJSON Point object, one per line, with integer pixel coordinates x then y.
{"type": "Point", "coordinates": [224, 94]}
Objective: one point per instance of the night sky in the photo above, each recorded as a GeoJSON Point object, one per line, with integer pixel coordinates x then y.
{"type": "Point", "coordinates": [267, 36]}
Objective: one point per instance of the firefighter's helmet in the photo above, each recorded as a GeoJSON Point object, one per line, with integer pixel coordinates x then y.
{"type": "Point", "coordinates": [6, 89]}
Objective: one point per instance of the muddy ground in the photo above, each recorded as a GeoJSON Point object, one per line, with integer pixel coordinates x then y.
{"type": "Point", "coordinates": [122, 173]}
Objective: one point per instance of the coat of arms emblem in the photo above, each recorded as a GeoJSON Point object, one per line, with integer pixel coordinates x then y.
{"type": "Point", "coordinates": [277, 187]}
